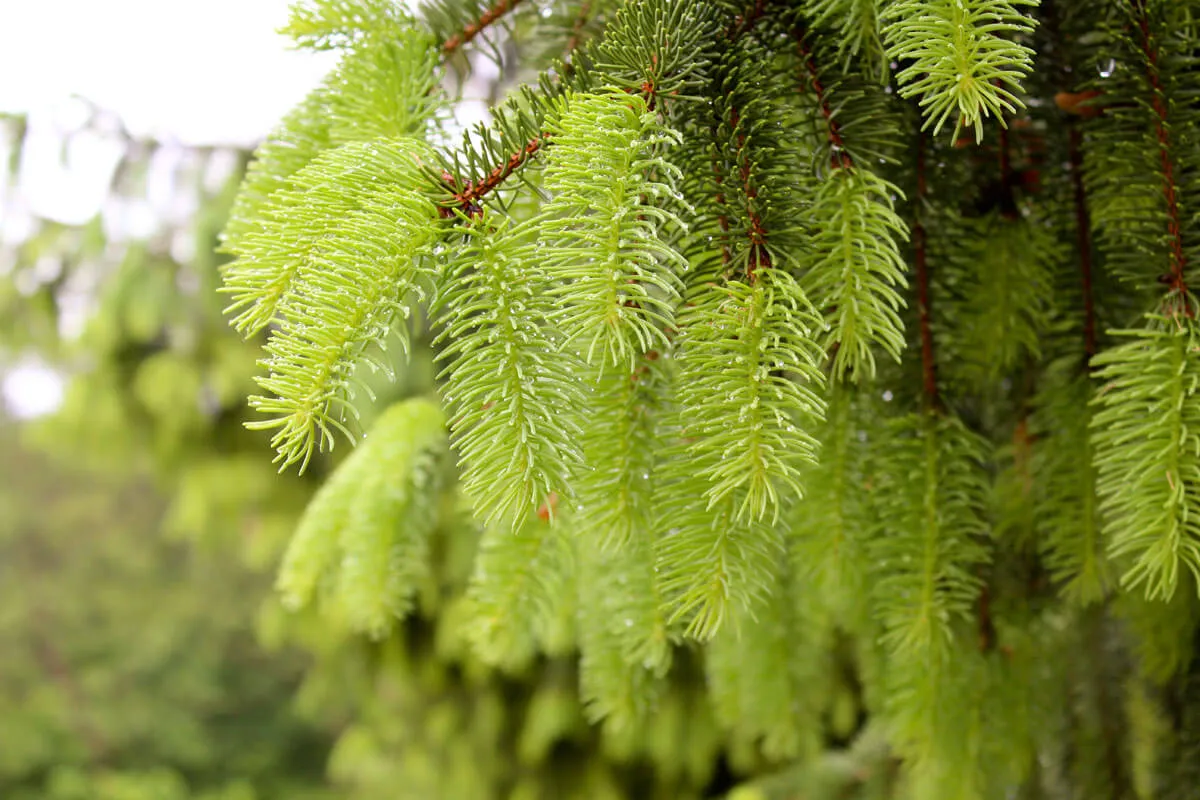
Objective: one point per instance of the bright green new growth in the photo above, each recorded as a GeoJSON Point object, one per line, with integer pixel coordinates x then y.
{"type": "Point", "coordinates": [610, 189]}
{"type": "Point", "coordinates": [522, 579]}
{"type": "Point", "coordinates": [858, 272]}
{"type": "Point", "coordinates": [513, 396]}
{"type": "Point", "coordinates": [362, 544]}
{"type": "Point", "coordinates": [358, 253]}
{"type": "Point", "coordinates": [382, 89]}
{"type": "Point", "coordinates": [930, 538]}
{"type": "Point", "coordinates": [1147, 440]}
{"type": "Point", "coordinates": [960, 57]}
{"type": "Point", "coordinates": [750, 352]}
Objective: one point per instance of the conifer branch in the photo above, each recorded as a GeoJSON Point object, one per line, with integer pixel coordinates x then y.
{"type": "Point", "coordinates": [1162, 131]}
{"type": "Point", "coordinates": [773, 701]}
{"type": "Point", "coordinates": [514, 394]}
{"type": "Point", "coordinates": [921, 266]}
{"type": "Point", "coordinates": [356, 232]}
{"type": "Point", "coordinates": [1083, 238]}
{"type": "Point", "coordinates": [751, 346]}
{"type": "Point", "coordinates": [477, 26]}
{"type": "Point", "coordinates": [1067, 514]}
{"type": "Point", "coordinates": [932, 526]}
{"type": "Point", "coordinates": [467, 196]}
{"type": "Point", "coordinates": [744, 22]}
{"type": "Point", "coordinates": [1002, 306]}
{"type": "Point", "coordinates": [757, 256]}
{"type": "Point", "coordinates": [957, 57]}
{"type": "Point", "coordinates": [615, 281]}
{"type": "Point", "coordinates": [522, 578]}
{"type": "Point", "coordinates": [625, 645]}
{"type": "Point", "coordinates": [365, 535]}
{"type": "Point", "coordinates": [1146, 432]}
{"type": "Point", "coordinates": [710, 562]}
{"type": "Point", "coordinates": [829, 538]}
{"type": "Point", "coordinates": [857, 269]}
{"type": "Point", "coordinates": [839, 156]}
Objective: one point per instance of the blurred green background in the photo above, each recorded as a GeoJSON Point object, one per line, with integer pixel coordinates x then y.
{"type": "Point", "coordinates": [138, 523]}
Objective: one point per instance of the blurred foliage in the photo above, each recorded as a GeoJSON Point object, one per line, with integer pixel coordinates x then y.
{"type": "Point", "coordinates": [131, 664]}
{"type": "Point", "coordinates": [130, 668]}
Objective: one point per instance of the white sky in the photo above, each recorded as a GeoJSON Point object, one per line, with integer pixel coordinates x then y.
{"type": "Point", "coordinates": [202, 71]}
{"type": "Point", "coordinates": [194, 71]}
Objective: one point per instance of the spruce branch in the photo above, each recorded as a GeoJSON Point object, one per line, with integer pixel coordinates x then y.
{"type": "Point", "coordinates": [829, 530]}
{"type": "Point", "coordinates": [1003, 290]}
{"type": "Point", "coordinates": [364, 537]}
{"type": "Point", "coordinates": [513, 392]}
{"type": "Point", "coordinates": [749, 385]}
{"type": "Point", "coordinates": [930, 535]}
{"type": "Point", "coordinates": [710, 562]}
{"type": "Point", "coordinates": [1066, 508]}
{"type": "Point", "coordinates": [774, 700]}
{"type": "Point", "coordinates": [356, 235]}
{"type": "Point", "coordinates": [615, 282]}
{"type": "Point", "coordinates": [389, 98]}
{"type": "Point", "coordinates": [664, 66]}
{"type": "Point", "coordinates": [1138, 163]}
{"type": "Point", "coordinates": [615, 489]}
{"type": "Point", "coordinates": [302, 134]}
{"type": "Point", "coordinates": [1146, 432]}
{"type": "Point", "coordinates": [385, 538]}
{"type": "Point", "coordinates": [467, 195]}
{"type": "Point", "coordinates": [857, 269]}
{"type": "Point", "coordinates": [1162, 133]}
{"type": "Point", "coordinates": [624, 642]}
{"type": "Point", "coordinates": [839, 157]}
{"type": "Point", "coordinates": [958, 58]}
{"type": "Point", "coordinates": [521, 580]}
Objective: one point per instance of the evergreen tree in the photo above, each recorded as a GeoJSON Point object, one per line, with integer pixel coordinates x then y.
{"type": "Point", "coordinates": [833, 360]}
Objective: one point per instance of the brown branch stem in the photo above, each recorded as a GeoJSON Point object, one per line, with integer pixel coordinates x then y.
{"type": "Point", "coordinates": [581, 19]}
{"type": "Point", "coordinates": [1176, 280]}
{"type": "Point", "coordinates": [839, 157]}
{"type": "Point", "coordinates": [466, 199]}
{"type": "Point", "coordinates": [756, 232]}
{"type": "Point", "coordinates": [921, 267]}
{"type": "Point", "coordinates": [495, 12]}
{"type": "Point", "coordinates": [1083, 239]}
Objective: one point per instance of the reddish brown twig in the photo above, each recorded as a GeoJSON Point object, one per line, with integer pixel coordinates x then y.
{"type": "Point", "coordinates": [581, 19]}
{"type": "Point", "coordinates": [1176, 279]}
{"type": "Point", "coordinates": [756, 232]}
{"type": "Point", "coordinates": [473, 29]}
{"type": "Point", "coordinates": [467, 198]}
{"type": "Point", "coordinates": [1083, 239]}
{"type": "Point", "coordinates": [839, 157]}
{"type": "Point", "coordinates": [921, 267]}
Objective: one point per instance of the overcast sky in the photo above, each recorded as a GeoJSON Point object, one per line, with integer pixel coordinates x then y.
{"type": "Point", "coordinates": [202, 71]}
{"type": "Point", "coordinates": [195, 71]}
